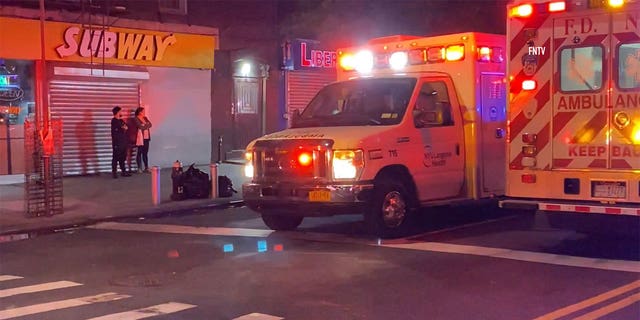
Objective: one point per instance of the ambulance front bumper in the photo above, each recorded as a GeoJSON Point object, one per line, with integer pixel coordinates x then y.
{"type": "Point", "coordinates": [307, 200]}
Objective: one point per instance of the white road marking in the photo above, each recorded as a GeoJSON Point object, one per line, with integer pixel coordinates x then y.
{"type": "Point", "coordinates": [527, 256]}
{"type": "Point", "coordinates": [61, 304]}
{"type": "Point", "coordinates": [257, 316]}
{"type": "Point", "coordinates": [8, 277]}
{"type": "Point", "coordinates": [157, 310]}
{"type": "Point", "coordinates": [37, 288]}
{"type": "Point", "coordinates": [258, 233]}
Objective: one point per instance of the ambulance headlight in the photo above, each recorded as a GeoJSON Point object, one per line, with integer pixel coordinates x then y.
{"type": "Point", "coordinates": [347, 164]}
{"type": "Point", "coordinates": [398, 60]}
{"type": "Point", "coordinates": [363, 61]}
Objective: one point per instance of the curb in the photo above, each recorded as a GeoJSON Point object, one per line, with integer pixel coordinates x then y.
{"type": "Point", "coordinates": [27, 233]}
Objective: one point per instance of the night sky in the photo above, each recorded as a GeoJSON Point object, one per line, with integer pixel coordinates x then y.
{"type": "Point", "coordinates": [339, 23]}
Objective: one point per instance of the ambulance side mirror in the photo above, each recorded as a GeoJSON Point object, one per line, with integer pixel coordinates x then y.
{"type": "Point", "coordinates": [295, 117]}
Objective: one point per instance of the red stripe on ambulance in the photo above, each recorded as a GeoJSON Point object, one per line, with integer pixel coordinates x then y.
{"type": "Point", "coordinates": [561, 163]}
{"type": "Point", "coordinates": [520, 121]}
{"type": "Point", "coordinates": [520, 40]}
{"type": "Point", "coordinates": [598, 163]}
{"type": "Point", "coordinates": [589, 209]}
{"type": "Point", "coordinates": [627, 36]}
{"type": "Point", "coordinates": [560, 120]}
{"type": "Point", "coordinates": [594, 126]}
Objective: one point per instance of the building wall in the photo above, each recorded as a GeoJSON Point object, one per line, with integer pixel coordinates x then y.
{"type": "Point", "coordinates": [179, 107]}
{"type": "Point", "coordinates": [246, 29]}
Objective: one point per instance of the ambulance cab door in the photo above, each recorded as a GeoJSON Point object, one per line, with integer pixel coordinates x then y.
{"type": "Point", "coordinates": [625, 97]}
{"type": "Point", "coordinates": [436, 115]}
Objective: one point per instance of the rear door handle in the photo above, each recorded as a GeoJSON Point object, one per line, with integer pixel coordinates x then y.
{"type": "Point", "coordinates": [457, 149]}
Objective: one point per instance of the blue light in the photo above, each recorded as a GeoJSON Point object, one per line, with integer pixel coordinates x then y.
{"type": "Point", "coordinates": [227, 247]}
{"type": "Point", "coordinates": [262, 246]}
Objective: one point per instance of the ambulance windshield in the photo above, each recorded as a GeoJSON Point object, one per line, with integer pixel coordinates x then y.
{"type": "Point", "coordinates": [381, 101]}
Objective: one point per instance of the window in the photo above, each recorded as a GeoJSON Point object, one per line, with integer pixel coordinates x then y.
{"type": "Point", "coordinates": [246, 92]}
{"type": "Point", "coordinates": [433, 108]}
{"type": "Point", "coordinates": [629, 66]}
{"type": "Point", "coordinates": [360, 102]}
{"type": "Point", "coordinates": [173, 6]}
{"type": "Point", "coordinates": [581, 69]}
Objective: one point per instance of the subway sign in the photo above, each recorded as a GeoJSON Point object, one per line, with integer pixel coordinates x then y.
{"type": "Point", "coordinates": [108, 44]}
{"type": "Point", "coordinates": [115, 45]}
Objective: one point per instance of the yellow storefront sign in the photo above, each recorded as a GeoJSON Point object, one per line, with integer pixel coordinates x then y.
{"type": "Point", "coordinates": [19, 39]}
{"type": "Point", "coordinates": [128, 46]}
{"type": "Point", "coordinates": [112, 45]}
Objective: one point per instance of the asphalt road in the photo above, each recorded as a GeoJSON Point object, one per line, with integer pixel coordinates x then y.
{"type": "Point", "coordinates": [455, 264]}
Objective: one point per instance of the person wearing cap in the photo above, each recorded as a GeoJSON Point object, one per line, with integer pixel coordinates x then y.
{"type": "Point", "coordinates": [119, 143]}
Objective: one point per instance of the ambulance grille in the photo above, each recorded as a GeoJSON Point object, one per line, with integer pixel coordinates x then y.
{"type": "Point", "coordinates": [277, 160]}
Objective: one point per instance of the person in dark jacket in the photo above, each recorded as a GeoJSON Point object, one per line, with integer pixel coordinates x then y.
{"type": "Point", "coordinates": [119, 142]}
{"type": "Point", "coordinates": [143, 138]}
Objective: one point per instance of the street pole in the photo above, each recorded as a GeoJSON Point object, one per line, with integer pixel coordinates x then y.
{"type": "Point", "coordinates": [42, 108]}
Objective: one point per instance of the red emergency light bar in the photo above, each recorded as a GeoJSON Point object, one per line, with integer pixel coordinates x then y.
{"type": "Point", "coordinates": [527, 9]}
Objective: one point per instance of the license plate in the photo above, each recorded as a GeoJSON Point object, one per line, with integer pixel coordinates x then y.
{"type": "Point", "coordinates": [609, 189]}
{"type": "Point", "coordinates": [319, 195]}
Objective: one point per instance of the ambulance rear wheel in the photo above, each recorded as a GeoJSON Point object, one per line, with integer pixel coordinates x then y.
{"type": "Point", "coordinates": [388, 210]}
{"type": "Point", "coordinates": [281, 222]}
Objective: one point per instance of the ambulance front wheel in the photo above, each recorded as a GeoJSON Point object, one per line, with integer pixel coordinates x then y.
{"type": "Point", "coordinates": [281, 222]}
{"type": "Point", "coordinates": [388, 210]}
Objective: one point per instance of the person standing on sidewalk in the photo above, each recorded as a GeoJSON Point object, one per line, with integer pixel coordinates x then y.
{"type": "Point", "coordinates": [143, 139]}
{"type": "Point", "coordinates": [118, 142]}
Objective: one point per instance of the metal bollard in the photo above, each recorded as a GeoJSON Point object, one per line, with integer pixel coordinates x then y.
{"type": "Point", "coordinates": [155, 185]}
{"type": "Point", "coordinates": [213, 169]}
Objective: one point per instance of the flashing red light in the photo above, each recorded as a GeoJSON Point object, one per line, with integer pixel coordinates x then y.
{"type": "Point", "coordinates": [557, 6]}
{"type": "Point", "coordinates": [528, 178]}
{"type": "Point", "coordinates": [522, 11]}
{"type": "Point", "coordinates": [305, 159]}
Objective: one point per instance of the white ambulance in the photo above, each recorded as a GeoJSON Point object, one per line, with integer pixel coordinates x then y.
{"type": "Point", "coordinates": [411, 122]}
{"type": "Point", "coordinates": [574, 106]}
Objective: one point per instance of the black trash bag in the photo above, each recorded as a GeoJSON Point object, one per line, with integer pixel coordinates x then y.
{"type": "Point", "coordinates": [225, 187]}
{"type": "Point", "coordinates": [177, 182]}
{"type": "Point", "coordinates": [196, 183]}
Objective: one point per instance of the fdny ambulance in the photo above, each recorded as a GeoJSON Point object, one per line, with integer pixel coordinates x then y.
{"type": "Point", "coordinates": [411, 122]}
{"type": "Point", "coordinates": [574, 106]}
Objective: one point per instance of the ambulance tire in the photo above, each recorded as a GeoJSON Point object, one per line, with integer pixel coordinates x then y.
{"type": "Point", "coordinates": [281, 222]}
{"type": "Point", "coordinates": [387, 213]}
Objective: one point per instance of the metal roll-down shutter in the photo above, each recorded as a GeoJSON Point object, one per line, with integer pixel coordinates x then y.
{"type": "Point", "coordinates": [303, 85]}
{"type": "Point", "coordinates": [85, 109]}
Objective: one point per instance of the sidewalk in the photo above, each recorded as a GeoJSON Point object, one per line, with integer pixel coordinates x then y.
{"type": "Point", "coordinates": [90, 199]}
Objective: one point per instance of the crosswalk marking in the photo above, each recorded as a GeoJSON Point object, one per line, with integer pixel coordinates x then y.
{"type": "Point", "coordinates": [8, 277]}
{"type": "Point", "coordinates": [37, 288]}
{"type": "Point", "coordinates": [258, 316]}
{"type": "Point", "coordinates": [152, 311]}
{"type": "Point", "coordinates": [62, 304]}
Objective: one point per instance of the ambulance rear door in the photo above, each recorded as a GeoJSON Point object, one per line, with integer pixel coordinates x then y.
{"type": "Point", "coordinates": [625, 113]}
{"type": "Point", "coordinates": [581, 117]}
